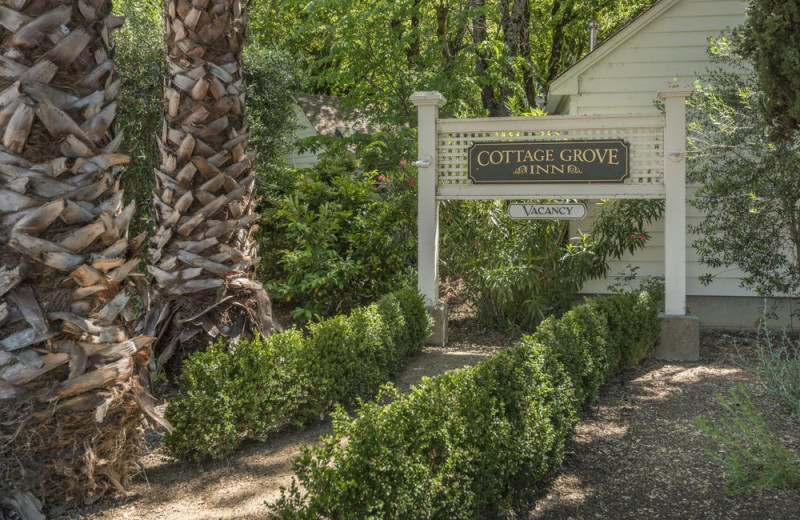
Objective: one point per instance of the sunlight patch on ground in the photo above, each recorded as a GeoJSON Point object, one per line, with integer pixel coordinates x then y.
{"type": "Point", "coordinates": [591, 431]}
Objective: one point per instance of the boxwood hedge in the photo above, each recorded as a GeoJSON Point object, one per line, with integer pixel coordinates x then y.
{"type": "Point", "coordinates": [254, 388]}
{"type": "Point", "coordinates": [473, 442]}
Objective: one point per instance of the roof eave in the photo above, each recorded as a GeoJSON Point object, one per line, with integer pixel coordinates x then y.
{"type": "Point", "coordinates": [567, 82]}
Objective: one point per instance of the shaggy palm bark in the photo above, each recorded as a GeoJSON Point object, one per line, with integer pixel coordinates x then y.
{"type": "Point", "coordinates": [203, 253]}
{"type": "Point", "coordinates": [69, 419]}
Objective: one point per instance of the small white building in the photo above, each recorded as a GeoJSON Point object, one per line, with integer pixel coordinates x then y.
{"type": "Point", "coordinates": [666, 46]}
{"type": "Point", "coordinates": [319, 115]}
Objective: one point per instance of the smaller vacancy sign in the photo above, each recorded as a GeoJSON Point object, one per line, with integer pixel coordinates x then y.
{"type": "Point", "coordinates": [547, 211]}
{"type": "Point", "coordinates": [563, 161]}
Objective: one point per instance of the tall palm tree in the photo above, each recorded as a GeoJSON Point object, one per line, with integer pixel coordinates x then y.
{"type": "Point", "coordinates": [203, 253]}
{"type": "Point", "coordinates": [69, 418]}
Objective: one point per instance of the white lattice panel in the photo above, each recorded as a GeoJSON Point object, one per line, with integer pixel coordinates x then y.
{"type": "Point", "coordinates": [645, 134]}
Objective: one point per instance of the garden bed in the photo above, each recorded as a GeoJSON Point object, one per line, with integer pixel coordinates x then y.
{"type": "Point", "coordinates": [634, 454]}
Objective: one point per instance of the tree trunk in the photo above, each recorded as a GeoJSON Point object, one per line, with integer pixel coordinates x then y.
{"type": "Point", "coordinates": [203, 253]}
{"type": "Point", "coordinates": [515, 23]}
{"type": "Point", "coordinates": [69, 422]}
{"type": "Point", "coordinates": [480, 35]}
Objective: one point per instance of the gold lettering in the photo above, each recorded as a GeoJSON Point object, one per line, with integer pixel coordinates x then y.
{"type": "Point", "coordinates": [480, 162]}
{"type": "Point", "coordinates": [602, 155]}
{"type": "Point", "coordinates": [557, 169]}
{"type": "Point", "coordinates": [613, 157]}
{"type": "Point", "coordinates": [566, 155]}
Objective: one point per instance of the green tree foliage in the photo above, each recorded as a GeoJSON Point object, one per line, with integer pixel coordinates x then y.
{"type": "Point", "coordinates": [142, 63]}
{"type": "Point", "coordinates": [768, 39]}
{"type": "Point", "coordinates": [489, 57]}
{"type": "Point", "coordinates": [750, 189]}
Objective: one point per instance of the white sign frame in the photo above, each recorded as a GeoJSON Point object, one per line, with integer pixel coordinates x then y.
{"type": "Point", "coordinates": [441, 144]}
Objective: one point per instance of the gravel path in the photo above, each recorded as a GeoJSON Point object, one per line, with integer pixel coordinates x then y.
{"type": "Point", "coordinates": [637, 455]}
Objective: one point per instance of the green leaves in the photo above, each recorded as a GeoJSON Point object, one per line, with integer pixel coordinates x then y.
{"type": "Point", "coordinates": [334, 238]}
{"type": "Point", "coordinates": [474, 442]}
{"type": "Point", "coordinates": [768, 40]}
{"type": "Point", "coordinates": [753, 457]}
{"type": "Point", "coordinates": [254, 388]}
{"type": "Point", "coordinates": [519, 272]}
{"type": "Point", "coordinates": [749, 187]}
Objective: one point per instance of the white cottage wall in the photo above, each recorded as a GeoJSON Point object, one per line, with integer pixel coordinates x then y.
{"type": "Point", "coordinates": [305, 159]}
{"type": "Point", "coordinates": [665, 47]}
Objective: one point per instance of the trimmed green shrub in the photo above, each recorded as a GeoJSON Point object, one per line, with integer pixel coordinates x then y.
{"type": "Point", "coordinates": [578, 340]}
{"type": "Point", "coordinates": [632, 324]}
{"type": "Point", "coordinates": [253, 388]}
{"type": "Point", "coordinates": [472, 442]}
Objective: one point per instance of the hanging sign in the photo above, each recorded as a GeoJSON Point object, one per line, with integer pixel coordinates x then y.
{"type": "Point", "coordinates": [547, 211]}
{"type": "Point", "coordinates": [564, 161]}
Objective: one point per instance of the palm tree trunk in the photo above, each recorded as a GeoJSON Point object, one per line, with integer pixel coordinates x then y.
{"type": "Point", "coordinates": [203, 253]}
{"type": "Point", "coordinates": [69, 419]}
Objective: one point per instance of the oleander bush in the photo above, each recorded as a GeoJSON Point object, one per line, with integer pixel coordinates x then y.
{"type": "Point", "coordinates": [473, 442]}
{"type": "Point", "coordinates": [254, 388]}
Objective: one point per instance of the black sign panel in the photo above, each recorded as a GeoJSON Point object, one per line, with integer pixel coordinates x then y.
{"type": "Point", "coordinates": [586, 161]}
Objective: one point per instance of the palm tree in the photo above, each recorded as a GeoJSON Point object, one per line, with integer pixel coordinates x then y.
{"type": "Point", "coordinates": [69, 395]}
{"type": "Point", "coordinates": [203, 253]}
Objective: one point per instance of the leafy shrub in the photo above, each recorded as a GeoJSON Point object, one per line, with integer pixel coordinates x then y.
{"type": "Point", "coordinates": [578, 339]}
{"type": "Point", "coordinates": [632, 324]}
{"type": "Point", "coordinates": [519, 272]}
{"type": "Point", "coordinates": [753, 457]}
{"type": "Point", "coordinates": [748, 199]}
{"type": "Point", "coordinates": [777, 366]}
{"type": "Point", "coordinates": [254, 388]}
{"type": "Point", "coordinates": [472, 442]}
{"type": "Point", "coordinates": [460, 443]}
{"type": "Point", "coordinates": [321, 229]}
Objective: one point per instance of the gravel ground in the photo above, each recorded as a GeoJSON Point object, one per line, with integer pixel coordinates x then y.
{"type": "Point", "coordinates": [634, 455]}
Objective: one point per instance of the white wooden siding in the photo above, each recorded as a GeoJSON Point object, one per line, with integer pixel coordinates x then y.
{"type": "Point", "coordinates": [670, 50]}
{"type": "Point", "coordinates": [305, 129]}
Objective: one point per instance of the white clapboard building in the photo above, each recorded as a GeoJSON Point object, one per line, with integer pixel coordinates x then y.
{"type": "Point", "coordinates": [318, 115]}
{"type": "Point", "coordinates": [666, 46]}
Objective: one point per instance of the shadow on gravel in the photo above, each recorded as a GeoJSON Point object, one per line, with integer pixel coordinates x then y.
{"type": "Point", "coordinates": [636, 454]}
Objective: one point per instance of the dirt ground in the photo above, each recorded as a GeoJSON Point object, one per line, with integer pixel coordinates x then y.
{"type": "Point", "coordinates": [634, 455]}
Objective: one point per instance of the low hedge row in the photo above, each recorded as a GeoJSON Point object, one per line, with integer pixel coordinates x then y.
{"type": "Point", "coordinates": [474, 442]}
{"type": "Point", "coordinates": [254, 388]}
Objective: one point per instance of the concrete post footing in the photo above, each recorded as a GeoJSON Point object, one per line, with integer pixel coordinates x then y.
{"type": "Point", "coordinates": [439, 335]}
{"type": "Point", "coordinates": [680, 338]}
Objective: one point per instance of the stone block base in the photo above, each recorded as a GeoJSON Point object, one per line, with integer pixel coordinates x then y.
{"type": "Point", "coordinates": [680, 338]}
{"type": "Point", "coordinates": [439, 335]}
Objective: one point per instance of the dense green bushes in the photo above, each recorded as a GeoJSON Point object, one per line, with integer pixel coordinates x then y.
{"type": "Point", "coordinates": [518, 272]}
{"type": "Point", "coordinates": [322, 228]}
{"type": "Point", "coordinates": [473, 442]}
{"type": "Point", "coordinates": [251, 389]}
